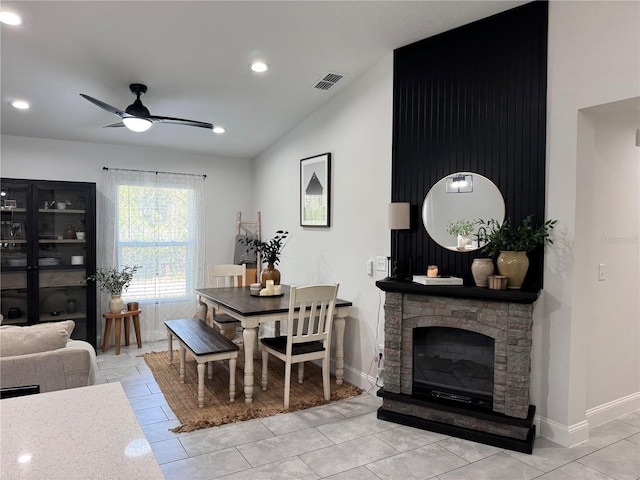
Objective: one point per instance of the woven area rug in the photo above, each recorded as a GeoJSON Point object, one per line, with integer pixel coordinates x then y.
{"type": "Point", "coordinates": [217, 410]}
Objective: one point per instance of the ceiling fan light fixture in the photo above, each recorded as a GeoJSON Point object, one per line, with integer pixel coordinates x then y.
{"type": "Point", "coordinates": [218, 129]}
{"type": "Point", "coordinates": [137, 117]}
{"type": "Point", "coordinates": [136, 124]}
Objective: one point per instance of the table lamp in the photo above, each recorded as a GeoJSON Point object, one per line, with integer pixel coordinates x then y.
{"type": "Point", "coordinates": [398, 218]}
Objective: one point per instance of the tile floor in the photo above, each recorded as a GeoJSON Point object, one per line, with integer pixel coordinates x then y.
{"type": "Point", "coordinates": [345, 440]}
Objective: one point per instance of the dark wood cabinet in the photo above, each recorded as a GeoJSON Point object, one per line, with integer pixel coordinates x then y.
{"type": "Point", "coordinates": [47, 247]}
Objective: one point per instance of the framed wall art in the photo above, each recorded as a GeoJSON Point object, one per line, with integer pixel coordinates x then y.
{"type": "Point", "coordinates": [315, 191]}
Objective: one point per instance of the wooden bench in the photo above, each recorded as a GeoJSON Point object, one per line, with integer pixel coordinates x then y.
{"type": "Point", "coordinates": [205, 345]}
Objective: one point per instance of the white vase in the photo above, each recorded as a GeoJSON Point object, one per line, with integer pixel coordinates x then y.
{"type": "Point", "coordinates": [463, 241]}
{"type": "Point", "coordinates": [116, 305]}
{"type": "Point", "coordinates": [481, 268]}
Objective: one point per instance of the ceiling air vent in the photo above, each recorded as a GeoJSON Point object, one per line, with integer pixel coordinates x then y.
{"type": "Point", "coordinates": [328, 81]}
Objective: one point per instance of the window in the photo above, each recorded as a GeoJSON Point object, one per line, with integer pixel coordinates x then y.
{"type": "Point", "coordinates": [155, 231]}
{"type": "Point", "coordinates": [155, 220]}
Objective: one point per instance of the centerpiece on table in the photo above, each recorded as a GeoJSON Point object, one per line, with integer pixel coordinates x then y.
{"type": "Point", "coordinates": [269, 251]}
{"type": "Point", "coordinates": [114, 281]}
{"type": "Point", "coordinates": [512, 243]}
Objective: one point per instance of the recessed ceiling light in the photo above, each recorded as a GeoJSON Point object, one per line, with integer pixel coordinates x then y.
{"type": "Point", "coordinates": [219, 129]}
{"type": "Point", "coordinates": [10, 18]}
{"type": "Point", "coordinates": [20, 104]}
{"type": "Point", "coordinates": [259, 67]}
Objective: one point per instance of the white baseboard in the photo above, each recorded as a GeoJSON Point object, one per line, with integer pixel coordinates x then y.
{"type": "Point", "coordinates": [358, 378]}
{"type": "Point", "coordinates": [612, 410]}
{"type": "Point", "coordinates": [567, 436]}
{"type": "Point", "coordinates": [572, 435]}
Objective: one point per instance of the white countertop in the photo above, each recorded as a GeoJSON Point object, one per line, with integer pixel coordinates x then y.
{"type": "Point", "coordinates": [80, 433]}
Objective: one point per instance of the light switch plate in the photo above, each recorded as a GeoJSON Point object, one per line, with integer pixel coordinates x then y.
{"type": "Point", "coordinates": [601, 272]}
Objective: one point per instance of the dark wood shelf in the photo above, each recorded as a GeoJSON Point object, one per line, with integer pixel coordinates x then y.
{"type": "Point", "coordinates": [459, 291]}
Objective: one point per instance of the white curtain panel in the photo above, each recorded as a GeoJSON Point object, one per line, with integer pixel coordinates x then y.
{"type": "Point", "coordinates": [155, 220]}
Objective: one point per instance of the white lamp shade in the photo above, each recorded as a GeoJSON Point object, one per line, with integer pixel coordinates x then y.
{"type": "Point", "coordinates": [398, 216]}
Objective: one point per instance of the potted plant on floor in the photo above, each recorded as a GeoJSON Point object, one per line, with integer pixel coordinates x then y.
{"type": "Point", "coordinates": [114, 281]}
{"type": "Point", "coordinates": [269, 252]}
{"type": "Point", "coordinates": [512, 242]}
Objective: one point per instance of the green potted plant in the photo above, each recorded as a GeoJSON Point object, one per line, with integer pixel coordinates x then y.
{"type": "Point", "coordinates": [269, 251]}
{"type": "Point", "coordinates": [114, 281]}
{"type": "Point", "coordinates": [462, 230]}
{"type": "Point", "coordinates": [511, 242]}
{"type": "Point", "coordinates": [80, 231]}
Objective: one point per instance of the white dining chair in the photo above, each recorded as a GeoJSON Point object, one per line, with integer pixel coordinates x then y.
{"type": "Point", "coordinates": [226, 276]}
{"type": "Point", "coordinates": [308, 335]}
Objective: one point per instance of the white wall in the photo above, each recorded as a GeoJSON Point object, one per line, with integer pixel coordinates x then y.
{"type": "Point", "coordinates": [594, 57]}
{"type": "Point", "coordinates": [608, 223]}
{"type": "Point", "coordinates": [229, 182]}
{"type": "Point", "coordinates": [356, 128]}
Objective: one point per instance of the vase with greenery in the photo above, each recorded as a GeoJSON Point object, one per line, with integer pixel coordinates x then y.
{"type": "Point", "coordinates": [114, 281]}
{"type": "Point", "coordinates": [511, 242]}
{"type": "Point", "coordinates": [269, 251]}
{"type": "Point", "coordinates": [462, 230]}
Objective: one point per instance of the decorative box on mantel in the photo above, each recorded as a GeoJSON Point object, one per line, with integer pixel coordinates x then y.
{"type": "Point", "coordinates": [457, 361]}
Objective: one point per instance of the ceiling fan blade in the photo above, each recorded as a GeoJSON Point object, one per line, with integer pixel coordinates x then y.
{"type": "Point", "coordinates": [118, 124]}
{"type": "Point", "coordinates": [105, 106]}
{"type": "Point", "coordinates": [180, 121]}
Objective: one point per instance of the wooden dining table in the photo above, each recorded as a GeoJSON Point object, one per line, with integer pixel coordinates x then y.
{"type": "Point", "coordinates": [251, 311]}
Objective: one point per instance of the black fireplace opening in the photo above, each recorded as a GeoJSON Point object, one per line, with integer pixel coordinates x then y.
{"type": "Point", "coordinates": [453, 365]}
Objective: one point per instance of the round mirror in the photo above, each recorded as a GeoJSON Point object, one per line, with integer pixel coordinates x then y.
{"type": "Point", "coordinates": [454, 205]}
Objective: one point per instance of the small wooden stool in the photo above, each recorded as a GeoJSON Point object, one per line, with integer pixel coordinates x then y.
{"type": "Point", "coordinates": [109, 317]}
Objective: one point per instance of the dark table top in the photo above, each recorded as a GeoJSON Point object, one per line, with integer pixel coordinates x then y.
{"type": "Point", "coordinates": [239, 300]}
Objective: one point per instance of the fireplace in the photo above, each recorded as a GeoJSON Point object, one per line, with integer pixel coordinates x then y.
{"type": "Point", "coordinates": [453, 364]}
{"type": "Point", "coordinates": [459, 366]}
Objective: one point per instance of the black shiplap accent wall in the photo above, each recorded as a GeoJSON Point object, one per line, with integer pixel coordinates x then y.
{"type": "Point", "coordinates": [472, 99]}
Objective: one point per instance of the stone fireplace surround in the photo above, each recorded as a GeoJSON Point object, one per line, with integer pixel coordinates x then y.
{"type": "Point", "coordinates": [505, 317]}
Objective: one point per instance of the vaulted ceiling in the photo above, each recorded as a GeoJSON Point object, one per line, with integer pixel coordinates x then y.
{"type": "Point", "coordinates": [194, 57]}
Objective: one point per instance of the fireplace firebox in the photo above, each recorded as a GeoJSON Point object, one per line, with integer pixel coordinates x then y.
{"type": "Point", "coordinates": [453, 364]}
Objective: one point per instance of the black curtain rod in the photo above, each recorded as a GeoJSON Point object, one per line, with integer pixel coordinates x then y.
{"type": "Point", "coordinates": [154, 171]}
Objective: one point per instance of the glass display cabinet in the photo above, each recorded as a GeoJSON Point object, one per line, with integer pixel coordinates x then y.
{"type": "Point", "coordinates": [47, 247]}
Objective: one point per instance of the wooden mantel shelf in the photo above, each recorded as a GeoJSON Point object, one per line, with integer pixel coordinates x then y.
{"type": "Point", "coordinates": [459, 291]}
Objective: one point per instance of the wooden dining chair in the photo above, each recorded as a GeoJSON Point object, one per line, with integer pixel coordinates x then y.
{"type": "Point", "coordinates": [226, 276]}
{"type": "Point", "coordinates": [308, 335]}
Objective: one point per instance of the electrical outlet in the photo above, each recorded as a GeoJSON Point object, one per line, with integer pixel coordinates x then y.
{"type": "Point", "coordinates": [381, 264]}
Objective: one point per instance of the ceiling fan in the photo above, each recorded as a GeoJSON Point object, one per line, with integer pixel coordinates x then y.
{"type": "Point", "coordinates": [137, 118]}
